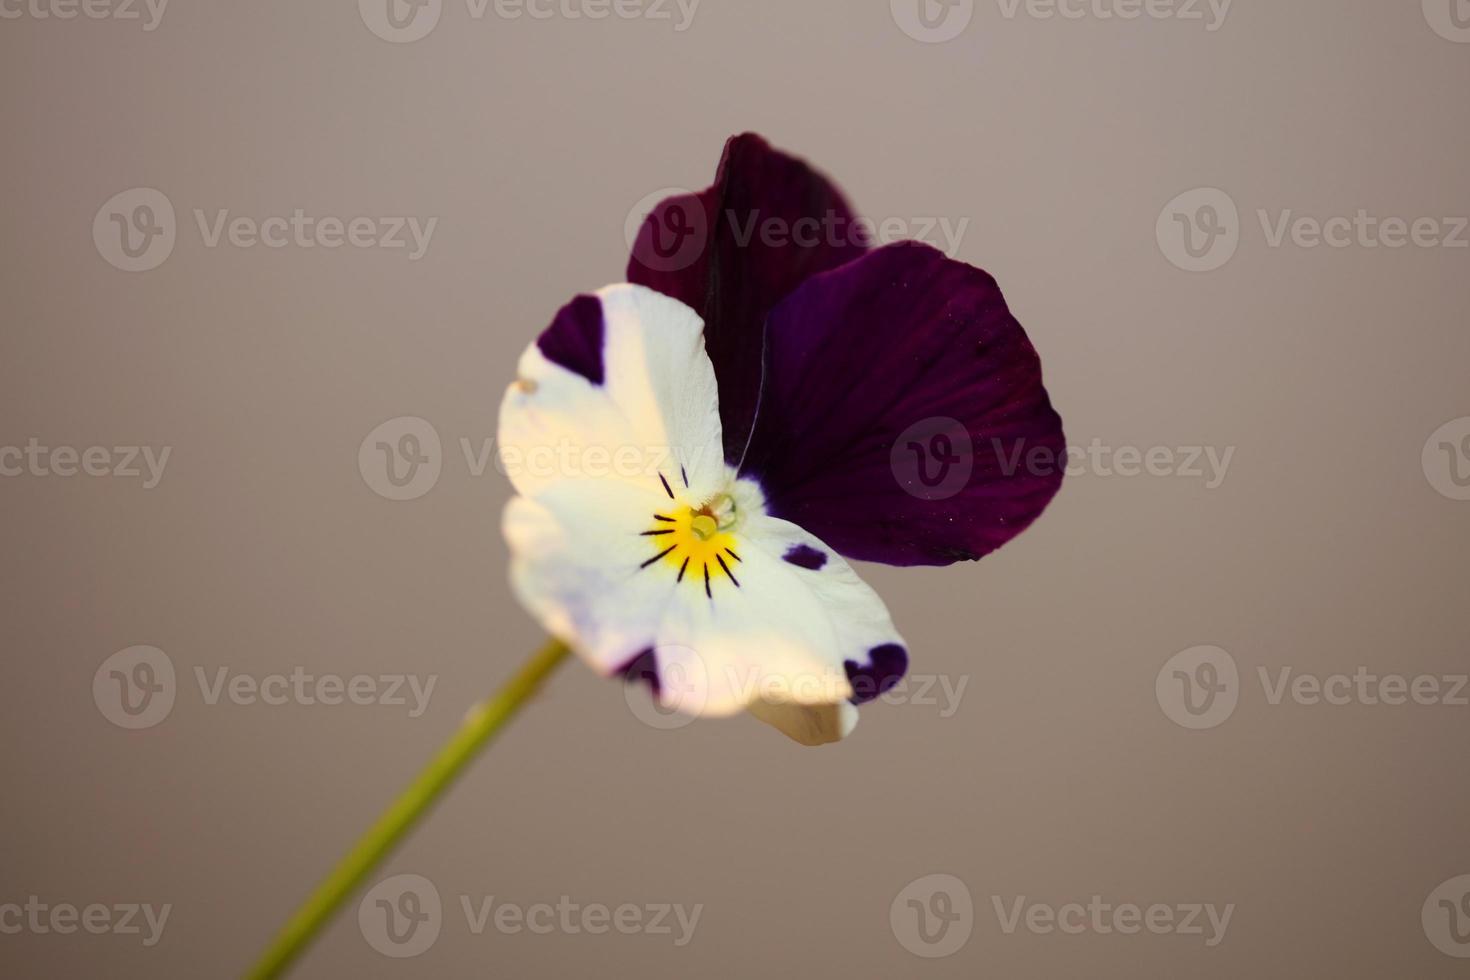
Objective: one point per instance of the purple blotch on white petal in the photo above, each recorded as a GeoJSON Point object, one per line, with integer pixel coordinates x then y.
{"type": "Point", "coordinates": [574, 339]}
{"type": "Point", "coordinates": [886, 666]}
{"type": "Point", "coordinates": [805, 556]}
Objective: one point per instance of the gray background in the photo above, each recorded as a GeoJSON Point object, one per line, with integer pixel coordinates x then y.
{"type": "Point", "coordinates": [1058, 776]}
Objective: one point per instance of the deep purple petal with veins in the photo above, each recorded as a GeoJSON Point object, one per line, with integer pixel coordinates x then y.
{"type": "Point", "coordinates": [735, 250]}
{"type": "Point", "coordinates": [857, 358]}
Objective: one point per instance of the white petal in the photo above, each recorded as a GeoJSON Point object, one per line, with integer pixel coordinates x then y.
{"type": "Point", "coordinates": [575, 565]}
{"type": "Point", "coordinates": [780, 643]}
{"type": "Point", "coordinates": [809, 724]}
{"type": "Point", "coordinates": [654, 415]}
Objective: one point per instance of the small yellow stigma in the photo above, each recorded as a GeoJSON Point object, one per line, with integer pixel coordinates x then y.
{"type": "Point", "coordinates": [704, 526]}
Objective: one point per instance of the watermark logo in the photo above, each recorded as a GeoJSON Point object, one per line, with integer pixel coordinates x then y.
{"type": "Point", "coordinates": [1446, 917]}
{"type": "Point", "coordinates": [933, 459]}
{"type": "Point", "coordinates": [401, 916]}
{"type": "Point", "coordinates": [1199, 688]}
{"type": "Point", "coordinates": [1199, 231]}
{"type": "Point", "coordinates": [667, 230]}
{"type": "Point", "coordinates": [932, 21]}
{"type": "Point", "coordinates": [1449, 18]}
{"type": "Point", "coordinates": [679, 682]}
{"type": "Point", "coordinates": [401, 459]}
{"type": "Point", "coordinates": [135, 229]}
{"type": "Point", "coordinates": [400, 21]}
{"type": "Point", "coordinates": [1446, 459]}
{"type": "Point", "coordinates": [933, 916]}
{"type": "Point", "coordinates": [135, 688]}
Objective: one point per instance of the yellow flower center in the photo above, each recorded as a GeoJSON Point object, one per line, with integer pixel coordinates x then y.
{"type": "Point", "coordinates": [697, 543]}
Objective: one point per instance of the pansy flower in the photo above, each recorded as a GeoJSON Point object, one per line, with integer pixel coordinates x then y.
{"type": "Point", "coordinates": [698, 451]}
{"type": "Point", "coordinates": [744, 396]}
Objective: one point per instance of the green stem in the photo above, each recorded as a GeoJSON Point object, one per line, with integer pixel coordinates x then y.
{"type": "Point", "coordinates": [480, 726]}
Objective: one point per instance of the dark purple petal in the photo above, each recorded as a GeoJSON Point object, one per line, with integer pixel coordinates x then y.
{"type": "Point", "coordinates": [885, 667]}
{"type": "Point", "coordinates": [735, 250]}
{"type": "Point", "coordinates": [805, 556]}
{"type": "Point", "coordinates": [903, 419]}
{"type": "Point", "coordinates": [671, 252]}
{"type": "Point", "coordinates": [574, 339]}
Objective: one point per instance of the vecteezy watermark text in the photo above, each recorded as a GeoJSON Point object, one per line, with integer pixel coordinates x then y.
{"type": "Point", "coordinates": [306, 231]}
{"type": "Point", "coordinates": [834, 230]}
{"type": "Point", "coordinates": [937, 21]}
{"type": "Point", "coordinates": [1202, 919]}
{"type": "Point", "coordinates": [402, 916]}
{"type": "Point", "coordinates": [685, 682]}
{"type": "Point", "coordinates": [1201, 230]}
{"type": "Point", "coordinates": [669, 230]}
{"type": "Point", "coordinates": [934, 916]}
{"type": "Point", "coordinates": [41, 918]}
{"type": "Point", "coordinates": [302, 687]}
{"type": "Point", "coordinates": [934, 459]}
{"type": "Point", "coordinates": [36, 459]}
{"type": "Point", "coordinates": [137, 687]}
{"type": "Point", "coordinates": [136, 230]}
{"type": "Point", "coordinates": [403, 459]}
{"type": "Point", "coordinates": [149, 12]}
{"type": "Point", "coordinates": [1207, 463]}
{"type": "Point", "coordinates": [1210, 13]}
{"type": "Point", "coordinates": [405, 21]}
{"type": "Point", "coordinates": [1201, 687]}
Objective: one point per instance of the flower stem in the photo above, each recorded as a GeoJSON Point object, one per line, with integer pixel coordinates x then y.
{"type": "Point", "coordinates": [481, 725]}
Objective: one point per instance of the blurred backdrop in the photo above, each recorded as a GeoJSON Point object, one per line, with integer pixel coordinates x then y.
{"type": "Point", "coordinates": [1208, 717]}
